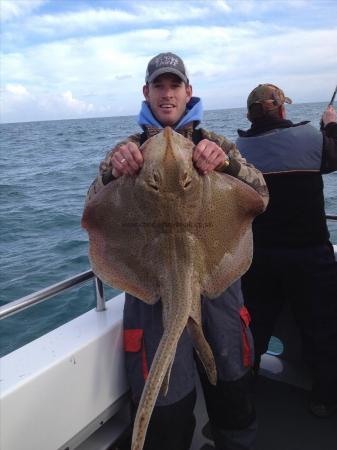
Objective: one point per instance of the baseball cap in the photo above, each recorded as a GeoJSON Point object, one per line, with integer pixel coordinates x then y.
{"type": "Point", "coordinates": [268, 95]}
{"type": "Point", "coordinates": [166, 63]}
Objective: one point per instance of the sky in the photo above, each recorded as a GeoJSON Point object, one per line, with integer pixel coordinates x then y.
{"type": "Point", "coordinates": [63, 59]}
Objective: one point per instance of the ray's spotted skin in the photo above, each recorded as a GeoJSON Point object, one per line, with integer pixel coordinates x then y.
{"type": "Point", "coordinates": [169, 233]}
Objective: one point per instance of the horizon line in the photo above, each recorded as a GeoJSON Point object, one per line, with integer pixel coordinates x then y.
{"type": "Point", "coordinates": [134, 115]}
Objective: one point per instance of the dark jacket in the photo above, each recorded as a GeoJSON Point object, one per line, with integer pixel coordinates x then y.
{"type": "Point", "coordinates": [292, 158]}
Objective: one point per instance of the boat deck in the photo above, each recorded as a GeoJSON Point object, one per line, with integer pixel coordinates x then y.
{"type": "Point", "coordinates": [284, 422]}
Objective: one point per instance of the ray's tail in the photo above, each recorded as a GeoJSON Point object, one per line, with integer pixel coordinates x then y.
{"type": "Point", "coordinates": [177, 297]}
{"type": "Point", "coordinates": [160, 365]}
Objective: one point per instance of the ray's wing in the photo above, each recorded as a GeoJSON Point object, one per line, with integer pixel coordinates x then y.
{"type": "Point", "coordinates": [225, 234]}
{"type": "Point", "coordinates": [118, 241]}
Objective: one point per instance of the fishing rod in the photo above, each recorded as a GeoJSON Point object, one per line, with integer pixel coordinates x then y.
{"type": "Point", "coordinates": [333, 97]}
{"type": "Point", "coordinates": [330, 104]}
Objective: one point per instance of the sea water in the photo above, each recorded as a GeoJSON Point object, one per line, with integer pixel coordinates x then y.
{"type": "Point", "coordinates": [46, 169]}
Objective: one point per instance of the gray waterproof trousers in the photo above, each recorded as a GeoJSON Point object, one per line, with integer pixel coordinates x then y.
{"type": "Point", "coordinates": [229, 404]}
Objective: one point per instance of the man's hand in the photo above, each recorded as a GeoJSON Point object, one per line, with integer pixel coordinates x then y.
{"type": "Point", "coordinates": [207, 156]}
{"type": "Point", "coordinates": [329, 115]}
{"type": "Point", "coordinates": [126, 160]}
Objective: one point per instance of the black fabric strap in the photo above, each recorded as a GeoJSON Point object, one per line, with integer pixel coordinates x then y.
{"type": "Point", "coordinates": [143, 138]}
{"type": "Point", "coordinates": [196, 136]}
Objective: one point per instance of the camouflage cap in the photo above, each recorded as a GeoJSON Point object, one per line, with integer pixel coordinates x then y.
{"type": "Point", "coordinates": [166, 63]}
{"type": "Point", "coordinates": [268, 95]}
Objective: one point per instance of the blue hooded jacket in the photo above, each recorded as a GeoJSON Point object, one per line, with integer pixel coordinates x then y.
{"type": "Point", "coordinates": [194, 113]}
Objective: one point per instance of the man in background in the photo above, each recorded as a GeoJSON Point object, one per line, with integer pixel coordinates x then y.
{"type": "Point", "coordinates": [293, 257]}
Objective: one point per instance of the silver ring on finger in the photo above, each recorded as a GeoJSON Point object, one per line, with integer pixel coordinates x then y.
{"type": "Point", "coordinates": [123, 160]}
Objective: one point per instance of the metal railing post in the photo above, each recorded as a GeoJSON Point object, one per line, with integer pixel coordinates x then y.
{"type": "Point", "coordinates": [99, 293]}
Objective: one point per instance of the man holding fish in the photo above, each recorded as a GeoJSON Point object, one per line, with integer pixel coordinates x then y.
{"type": "Point", "coordinates": [225, 320]}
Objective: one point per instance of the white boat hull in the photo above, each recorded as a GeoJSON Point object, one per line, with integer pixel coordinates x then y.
{"type": "Point", "coordinates": [57, 386]}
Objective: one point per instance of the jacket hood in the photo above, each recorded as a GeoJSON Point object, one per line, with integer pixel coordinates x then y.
{"type": "Point", "coordinates": [194, 113]}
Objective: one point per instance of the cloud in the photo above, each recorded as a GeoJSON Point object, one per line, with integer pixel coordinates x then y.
{"type": "Point", "coordinates": [102, 72]}
{"type": "Point", "coordinates": [222, 5]}
{"type": "Point", "coordinates": [10, 9]}
{"type": "Point", "coordinates": [256, 7]}
{"type": "Point", "coordinates": [16, 89]}
{"type": "Point", "coordinates": [88, 20]}
{"type": "Point", "coordinates": [110, 20]}
{"type": "Point", "coordinates": [18, 101]}
{"type": "Point", "coordinates": [224, 64]}
{"type": "Point", "coordinates": [176, 11]}
{"type": "Point", "coordinates": [101, 19]}
{"type": "Point", "coordinates": [75, 105]}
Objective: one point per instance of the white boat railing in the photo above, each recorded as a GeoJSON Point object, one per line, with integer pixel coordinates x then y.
{"type": "Point", "coordinates": [40, 296]}
{"type": "Point", "coordinates": [37, 297]}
